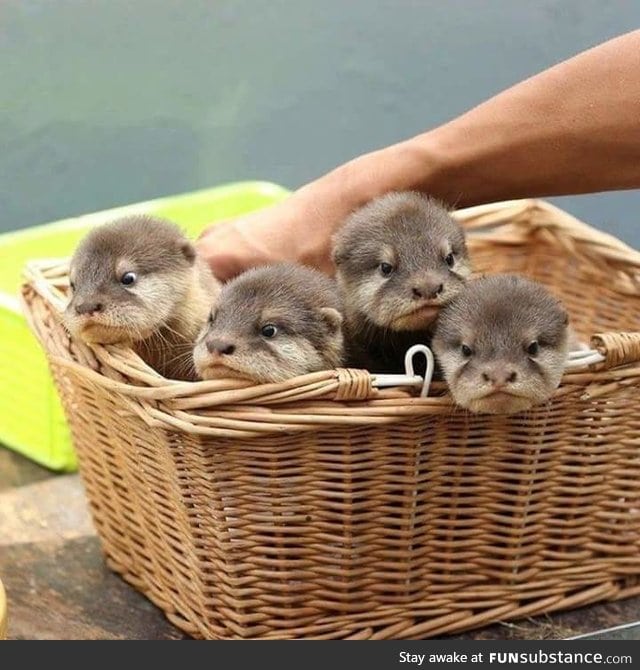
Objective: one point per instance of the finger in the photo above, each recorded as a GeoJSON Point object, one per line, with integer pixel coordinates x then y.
{"type": "Point", "coordinates": [215, 229]}
{"type": "Point", "coordinates": [224, 266]}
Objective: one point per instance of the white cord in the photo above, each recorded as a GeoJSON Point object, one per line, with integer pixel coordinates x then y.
{"type": "Point", "coordinates": [410, 378]}
{"type": "Point", "coordinates": [578, 359]}
{"type": "Point", "coordinates": [575, 359]}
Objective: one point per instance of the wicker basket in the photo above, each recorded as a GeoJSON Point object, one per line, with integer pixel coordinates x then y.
{"type": "Point", "coordinates": [324, 507]}
{"type": "Point", "coordinates": [3, 613]}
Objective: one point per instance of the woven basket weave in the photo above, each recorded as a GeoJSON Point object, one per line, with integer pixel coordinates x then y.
{"type": "Point", "coordinates": [324, 507]}
{"type": "Point", "coordinates": [3, 613]}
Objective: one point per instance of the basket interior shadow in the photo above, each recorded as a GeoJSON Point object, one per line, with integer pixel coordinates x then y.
{"type": "Point", "coordinates": [324, 507]}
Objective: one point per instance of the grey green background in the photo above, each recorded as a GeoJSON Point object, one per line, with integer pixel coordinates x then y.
{"type": "Point", "coordinates": [107, 102]}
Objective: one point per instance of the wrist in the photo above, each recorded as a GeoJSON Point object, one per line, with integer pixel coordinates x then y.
{"type": "Point", "coordinates": [410, 165]}
{"type": "Point", "coordinates": [433, 163]}
{"type": "Point", "coordinates": [447, 153]}
{"type": "Point", "coordinates": [315, 211]}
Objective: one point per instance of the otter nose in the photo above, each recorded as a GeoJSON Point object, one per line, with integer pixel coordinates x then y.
{"type": "Point", "coordinates": [427, 292]}
{"type": "Point", "coordinates": [221, 347]}
{"type": "Point", "coordinates": [499, 377]}
{"type": "Point", "coordinates": [89, 307]}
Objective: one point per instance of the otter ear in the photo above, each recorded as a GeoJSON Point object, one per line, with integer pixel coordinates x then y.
{"type": "Point", "coordinates": [188, 251]}
{"type": "Point", "coordinates": [338, 256]}
{"type": "Point", "coordinates": [339, 253]}
{"type": "Point", "coordinates": [565, 314]}
{"type": "Point", "coordinates": [332, 318]}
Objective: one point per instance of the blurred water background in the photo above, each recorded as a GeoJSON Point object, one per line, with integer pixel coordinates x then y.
{"type": "Point", "coordinates": [107, 102]}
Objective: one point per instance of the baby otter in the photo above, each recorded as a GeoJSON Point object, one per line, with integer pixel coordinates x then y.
{"type": "Point", "coordinates": [399, 259]}
{"type": "Point", "coordinates": [139, 281]}
{"type": "Point", "coordinates": [270, 324]}
{"type": "Point", "coordinates": [502, 344]}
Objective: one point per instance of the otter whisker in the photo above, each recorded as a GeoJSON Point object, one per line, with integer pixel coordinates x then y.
{"type": "Point", "coordinates": [273, 323]}
{"type": "Point", "coordinates": [395, 260]}
{"type": "Point", "coordinates": [502, 345]}
{"type": "Point", "coordinates": [141, 282]}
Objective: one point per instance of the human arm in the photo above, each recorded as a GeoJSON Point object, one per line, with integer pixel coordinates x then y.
{"type": "Point", "coordinates": [574, 128]}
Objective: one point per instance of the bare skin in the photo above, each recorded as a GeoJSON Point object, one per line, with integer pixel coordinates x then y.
{"type": "Point", "coordinates": [573, 128]}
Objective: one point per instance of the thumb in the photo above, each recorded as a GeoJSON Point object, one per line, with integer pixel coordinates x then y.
{"type": "Point", "coordinates": [223, 262]}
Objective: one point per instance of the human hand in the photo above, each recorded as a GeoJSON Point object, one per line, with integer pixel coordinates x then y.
{"type": "Point", "coordinates": [287, 231]}
{"type": "Point", "coordinates": [300, 228]}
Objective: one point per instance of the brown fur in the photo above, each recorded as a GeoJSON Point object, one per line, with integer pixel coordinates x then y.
{"type": "Point", "coordinates": [303, 306]}
{"type": "Point", "coordinates": [385, 315]}
{"type": "Point", "coordinates": [498, 318]}
{"type": "Point", "coordinates": [161, 313]}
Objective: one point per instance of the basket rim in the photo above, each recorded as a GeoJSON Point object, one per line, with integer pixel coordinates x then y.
{"type": "Point", "coordinates": [532, 214]}
{"type": "Point", "coordinates": [342, 396]}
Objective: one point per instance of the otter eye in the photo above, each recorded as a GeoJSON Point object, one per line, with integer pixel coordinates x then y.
{"type": "Point", "coordinates": [128, 278]}
{"type": "Point", "coordinates": [72, 286]}
{"type": "Point", "coordinates": [533, 348]}
{"type": "Point", "coordinates": [269, 331]}
{"type": "Point", "coordinates": [449, 260]}
{"type": "Point", "coordinates": [466, 351]}
{"type": "Point", "coordinates": [212, 317]}
{"type": "Point", "coordinates": [386, 269]}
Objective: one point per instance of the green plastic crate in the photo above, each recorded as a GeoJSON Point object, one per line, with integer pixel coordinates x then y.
{"type": "Point", "coordinates": [31, 417]}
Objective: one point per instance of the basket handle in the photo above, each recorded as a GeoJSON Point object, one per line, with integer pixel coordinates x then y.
{"type": "Point", "coordinates": [617, 348]}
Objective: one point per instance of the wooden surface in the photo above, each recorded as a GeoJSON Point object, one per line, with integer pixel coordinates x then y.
{"type": "Point", "coordinates": [58, 586]}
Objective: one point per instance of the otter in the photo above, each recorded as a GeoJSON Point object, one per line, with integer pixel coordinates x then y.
{"type": "Point", "coordinates": [502, 344]}
{"type": "Point", "coordinates": [270, 324]}
{"type": "Point", "coordinates": [139, 281]}
{"type": "Point", "coordinates": [399, 260]}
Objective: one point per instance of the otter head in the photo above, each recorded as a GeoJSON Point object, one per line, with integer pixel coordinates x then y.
{"type": "Point", "coordinates": [270, 324]}
{"type": "Point", "coordinates": [127, 279]}
{"type": "Point", "coordinates": [399, 259]}
{"type": "Point", "coordinates": [502, 344]}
